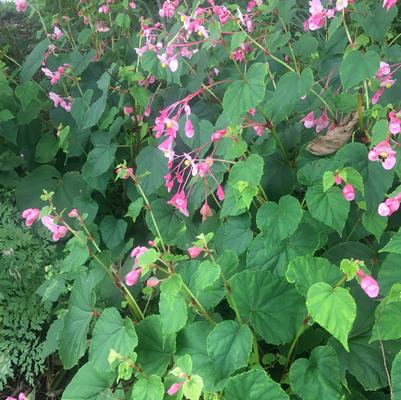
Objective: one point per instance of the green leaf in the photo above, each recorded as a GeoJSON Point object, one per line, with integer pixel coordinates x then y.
{"type": "Point", "coordinates": [89, 384]}
{"type": "Point", "coordinates": [364, 360]}
{"type": "Point", "coordinates": [72, 340]}
{"type": "Point", "coordinates": [192, 387]}
{"type": "Point", "coordinates": [374, 224]}
{"type": "Point", "coordinates": [237, 39]}
{"type": "Point", "coordinates": [6, 115]}
{"type": "Point", "coordinates": [396, 377]}
{"type": "Point", "coordinates": [333, 309]}
{"type": "Point", "coordinates": [350, 268]}
{"type": "Point", "coordinates": [242, 185]}
{"type": "Point", "coordinates": [379, 131]}
{"type": "Point", "coordinates": [290, 88]}
{"type": "Point", "coordinates": [328, 180]}
{"type": "Point", "coordinates": [234, 234]}
{"type": "Point", "coordinates": [329, 207]}
{"type": "Point", "coordinates": [229, 345]}
{"type": "Point", "coordinates": [99, 159]}
{"type": "Point", "coordinates": [279, 221]}
{"type": "Point", "coordinates": [34, 60]}
{"type": "Point", "coordinates": [389, 273]}
{"type": "Point", "coordinates": [357, 67]}
{"type": "Point", "coordinates": [78, 252]}
{"type": "Point", "coordinates": [152, 166]}
{"type": "Point", "coordinates": [317, 377]}
{"type": "Point", "coordinates": [46, 149]}
{"type": "Point", "coordinates": [172, 305]}
{"type": "Point", "coordinates": [394, 245]}
{"type": "Point", "coordinates": [26, 93]}
{"type": "Point", "coordinates": [154, 351]}
{"type": "Point", "coordinates": [388, 316]}
{"type": "Point", "coordinates": [245, 94]}
{"type": "Point", "coordinates": [305, 271]}
{"type": "Point", "coordinates": [113, 231]}
{"type": "Point", "coordinates": [111, 332]}
{"type": "Point", "coordinates": [170, 225]}
{"type": "Point", "coordinates": [273, 307]}
{"type": "Point", "coordinates": [353, 177]}
{"type": "Point", "coordinates": [148, 388]}
{"type": "Point", "coordinates": [192, 341]}
{"type": "Point", "coordinates": [134, 209]}
{"type": "Point", "coordinates": [253, 385]}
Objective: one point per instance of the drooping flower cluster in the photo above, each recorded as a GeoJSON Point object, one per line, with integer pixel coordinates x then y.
{"type": "Point", "coordinates": [389, 4]}
{"type": "Point", "coordinates": [32, 214]}
{"type": "Point", "coordinates": [320, 123]}
{"type": "Point", "coordinates": [368, 284]}
{"type": "Point", "coordinates": [389, 206]}
{"type": "Point", "coordinates": [55, 76]}
{"type": "Point", "coordinates": [63, 102]}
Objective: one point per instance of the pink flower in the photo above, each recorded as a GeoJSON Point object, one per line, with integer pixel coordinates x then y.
{"type": "Point", "coordinates": [57, 33]}
{"type": "Point", "coordinates": [21, 396]}
{"type": "Point", "coordinates": [21, 5]}
{"type": "Point", "coordinates": [337, 180]}
{"type": "Point", "coordinates": [348, 192]}
{"type": "Point", "coordinates": [173, 64]}
{"type": "Point", "coordinates": [104, 9]}
{"type": "Point", "coordinates": [368, 284]}
{"type": "Point", "coordinates": [389, 206]}
{"type": "Point", "coordinates": [179, 201]}
{"type": "Point", "coordinates": [132, 277]}
{"type": "Point", "coordinates": [309, 120]}
{"type": "Point", "coordinates": [132, 5]}
{"type": "Point", "coordinates": [383, 70]}
{"type": "Point", "coordinates": [152, 282]}
{"type": "Point", "coordinates": [128, 110]}
{"type": "Point", "coordinates": [322, 122]}
{"type": "Point", "coordinates": [223, 14]}
{"type": "Point", "coordinates": [194, 251]}
{"type": "Point", "coordinates": [59, 231]}
{"type": "Point", "coordinates": [220, 193]}
{"type": "Point", "coordinates": [252, 111]}
{"type": "Point", "coordinates": [341, 4]}
{"type": "Point", "coordinates": [395, 124]}
{"type": "Point", "coordinates": [218, 135]}
{"type": "Point", "coordinates": [137, 252]}
{"type": "Point", "coordinates": [389, 4]}
{"type": "Point", "coordinates": [73, 213]}
{"type": "Point", "coordinates": [206, 212]}
{"type": "Point", "coordinates": [30, 215]}
{"type": "Point", "coordinates": [174, 388]}
{"type": "Point", "coordinates": [377, 95]}
{"type": "Point", "coordinates": [384, 153]}
{"type": "Point", "coordinates": [189, 129]}
{"type": "Point", "coordinates": [128, 172]}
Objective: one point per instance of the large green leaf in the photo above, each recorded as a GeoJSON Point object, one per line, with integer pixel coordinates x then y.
{"type": "Point", "coordinates": [307, 270]}
{"type": "Point", "coordinates": [396, 377]}
{"type": "Point", "coordinates": [170, 225]}
{"type": "Point", "coordinates": [192, 341]}
{"type": "Point", "coordinates": [388, 316]}
{"type": "Point", "coordinates": [229, 345]}
{"type": "Point", "coordinates": [329, 207]}
{"type": "Point", "coordinates": [148, 388]}
{"type": "Point", "coordinates": [279, 221]}
{"type": "Point", "coordinates": [394, 245]}
{"type": "Point", "coordinates": [89, 384]}
{"type": "Point", "coordinates": [290, 88]}
{"type": "Point", "coordinates": [34, 60]}
{"type": "Point", "coordinates": [364, 360]}
{"type": "Point", "coordinates": [72, 340]}
{"type": "Point", "coordinates": [152, 166]}
{"type": "Point", "coordinates": [154, 351]}
{"type": "Point", "coordinates": [111, 332]}
{"type": "Point", "coordinates": [275, 255]}
{"type": "Point", "coordinates": [113, 231]}
{"type": "Point", "coordinates": [235, 234]}
{"type": "Point", "coordinates": [253, 385]}
{"type": "Point", "coordinates": [172, 305]}
{"type": "Point", "coordinates": [317, 377]}
{"type": "Point", "coordinates": [272, 306]}
{"type": "Point", "coordinates": [357, 67]}
{"type": "Point", "coordinates": [332, 308]}
{"type": "Point", "coordinates": [245, 94]}
{"type": "Point", "coordinates": [389, 273]}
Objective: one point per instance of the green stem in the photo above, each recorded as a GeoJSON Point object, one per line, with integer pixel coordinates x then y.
{"type": "Point", "coordinates": [279, 143]}
{"type": "Point", "coordinates": [347, 31]}
{"type": "Point", "coordinates": [365, 85]}
{"type": "Point", "coordinates": [256, 350]}
{"type": "Point", "coordinates": [295, 341]}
